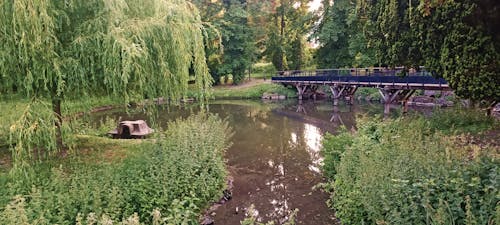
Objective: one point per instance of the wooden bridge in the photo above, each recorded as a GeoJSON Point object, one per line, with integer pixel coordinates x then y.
{"type": "Point", "coordinates": [394, 85]}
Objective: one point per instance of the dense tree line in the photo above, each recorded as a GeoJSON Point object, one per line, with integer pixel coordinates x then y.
{"type": "Point", "coordinates": [457, 40]}
{"type": "Point", "coordinates": [251, 30]}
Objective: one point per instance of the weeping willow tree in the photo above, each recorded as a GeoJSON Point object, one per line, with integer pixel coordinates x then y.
{"type": "Point", "coordinates": [129, 49]}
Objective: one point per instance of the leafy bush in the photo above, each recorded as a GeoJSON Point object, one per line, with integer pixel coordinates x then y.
{"type": "Point", "coordinates": [372, 93]}
{"type": "Point", "coordinates": [407, 171]}
{"type": "Point", "coordinates": [177, 175]}
{"type": "Point", "coordinates": [461, 121]}
{"type": "Point", "coordinates": [333, 148]}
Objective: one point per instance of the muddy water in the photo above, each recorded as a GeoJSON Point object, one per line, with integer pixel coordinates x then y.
{"type": "Point", "coordinates": [275, 157]}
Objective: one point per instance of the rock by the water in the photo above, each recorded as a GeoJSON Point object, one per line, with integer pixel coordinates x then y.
{"type": "Point", "coordinates": [227, 195]}
{"type": "Point", "coordinates": [273, 96]}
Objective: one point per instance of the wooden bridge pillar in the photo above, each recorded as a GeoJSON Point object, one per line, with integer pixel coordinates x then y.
{"type": "Point", "coordinates": [393, 95]}
{"type": "Point", "coordinates": [389, 96]}
{"type": "Point", "coordinates": [351, 90]}
{"type": "Point", "coordinates": [301, 89]}
{"type": "Point", "coordinates": [406, 97]}
{"type": "Point", "coordinates": [314, 89]}
{"type": "Point", "coordinates": [346, 91]}
{"type": "Point", "coordinates": [337, 91]}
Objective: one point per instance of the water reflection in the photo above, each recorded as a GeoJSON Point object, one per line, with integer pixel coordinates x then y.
{"type": "Point", "coordinates": [313, 137]}
{"type": "Point", "coordinates": [294, 138]}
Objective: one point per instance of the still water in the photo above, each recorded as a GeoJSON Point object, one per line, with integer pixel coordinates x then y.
{"type": "Point", "coordinates": [275, 158]}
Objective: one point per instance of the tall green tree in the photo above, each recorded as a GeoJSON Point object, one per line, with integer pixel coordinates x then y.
{"type": "Point", "coordinates": [72, 49]}
{"type": "Point", "coordinates": [342, 37]}
{"type": "Point", "coordinates": [457, 40]}
{"type": "Point", "coordinates": [290, 22]}
{"type": "Point", "coordinates": [460, 41]}
{"type": "Point", "coordinates": [237, 38]}
{"type": "Point", "coordinates": [389, 31]}
{"type": "Point", "coordinates": [333, 35]}
{"type": "Point", "coordinates": [212, 15]}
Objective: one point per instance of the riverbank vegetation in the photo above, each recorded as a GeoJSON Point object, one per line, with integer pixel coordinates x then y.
{"type": "Point", "coordinates": [415, 170]}
{"type": "Point", "coordinates": [169, 179]}
{"type": "Point", "coordinates": [252, 92]}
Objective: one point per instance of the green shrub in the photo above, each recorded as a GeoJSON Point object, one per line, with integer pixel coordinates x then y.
{"type": "Point", "coordinates": [461, 121]}
{"type": "Point", "coordinates": [364, 92]}
{"type": "Point", "coordinates": [178, 175]}
{"type": "Point", "coordinates": [333, 148]}
{"type": "Point", "coordinates": [407, 171]}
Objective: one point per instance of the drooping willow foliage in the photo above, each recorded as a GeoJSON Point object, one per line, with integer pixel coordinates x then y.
{"type": "Point", "coordinates": [130, 49]}
{"type": "Point", "coordinates": [120, 47]}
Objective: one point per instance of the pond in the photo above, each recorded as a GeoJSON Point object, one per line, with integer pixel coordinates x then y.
{"type": "Point", "coordinates": [275, 159]}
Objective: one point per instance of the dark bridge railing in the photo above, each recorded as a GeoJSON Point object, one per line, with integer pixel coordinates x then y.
{"type": "Point", "coordinates": [373, 71]}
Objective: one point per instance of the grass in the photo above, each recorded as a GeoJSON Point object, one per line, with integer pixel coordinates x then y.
{"type": "Point", "coordinates": [252, 92]}
{"type": "Point", "coordinates": [263, 70]}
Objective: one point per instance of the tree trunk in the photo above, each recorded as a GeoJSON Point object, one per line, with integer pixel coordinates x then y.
{"type": "Point", "coordinates": [56, 108]}
{"type": "Point", "coordinates": [491, 107]}
{"type": "Point", "coordinates": [282, 37]}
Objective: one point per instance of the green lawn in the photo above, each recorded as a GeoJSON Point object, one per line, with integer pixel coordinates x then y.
{"type": "Point", "coordinates": [252, 92]}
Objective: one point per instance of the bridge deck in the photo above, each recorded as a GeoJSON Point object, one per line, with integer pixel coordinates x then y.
{"type": "Point", "coordinates": [385, 78]}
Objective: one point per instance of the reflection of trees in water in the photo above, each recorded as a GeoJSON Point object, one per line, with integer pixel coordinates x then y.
{"type": "Point", "coordinates": [328, 118]}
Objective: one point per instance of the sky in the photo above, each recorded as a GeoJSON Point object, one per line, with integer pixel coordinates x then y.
{"type": "Point", "coordinates": [314, 5]}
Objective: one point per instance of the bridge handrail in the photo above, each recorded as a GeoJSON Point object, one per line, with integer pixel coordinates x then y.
{"type": "Point", "coordinates": [369, 71]}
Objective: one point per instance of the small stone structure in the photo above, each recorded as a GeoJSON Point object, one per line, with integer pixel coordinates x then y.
{"type": "Point", "coordinates": [131, 129]}
{"type": "Point", "coordinates": [273, 96]}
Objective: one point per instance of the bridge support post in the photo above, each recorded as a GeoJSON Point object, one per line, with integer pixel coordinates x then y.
{"type": "Point", "coordinates": [337, 92]}
{"type": "Point", "coordinates": [314, 89]}
{"type": "Point", "coordinates": [301, 89]}
{"type": "Point", "coordinates": [406, 97]}
{"type": "Point", "coordinates": [392, 95]}
{"type": "Point", "coordinates": [389, 96]}
{"type": "Point", "coordinates": [350, 94]}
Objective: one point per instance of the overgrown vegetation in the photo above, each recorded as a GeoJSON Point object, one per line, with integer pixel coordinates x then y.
{"type": "Point", "coordinates": [411, 170]}
{"type": "Point", "coordinates": [177, 174]}
{"type": "Point", "coordinates": [368, 93]}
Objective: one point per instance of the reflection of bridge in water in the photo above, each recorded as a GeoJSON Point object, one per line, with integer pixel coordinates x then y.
{"type": "Point", "coordinates": [343, 83]}
{"type": "Point", "coordinates": [307, 113]}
